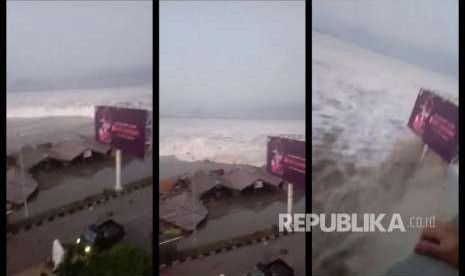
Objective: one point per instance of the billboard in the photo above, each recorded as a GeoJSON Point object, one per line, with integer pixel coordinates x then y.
{"type": "Point", "coordinates": [286, 159]}
{"type": "Point", "coordinates": [436, 120]}
{"type": "Point", "coordinates": [122, 128]}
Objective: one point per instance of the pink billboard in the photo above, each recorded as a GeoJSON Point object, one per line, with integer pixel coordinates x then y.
{"type": "Point", "coordinates": [122, 128]}
{"type": "Point", "coordinates": [436, 121]}
{"type": "Point", "coordinates": [286, 159]}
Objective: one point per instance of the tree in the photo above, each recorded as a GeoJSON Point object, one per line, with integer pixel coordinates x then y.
{"type": "Point", "coordinates": [119, 260]}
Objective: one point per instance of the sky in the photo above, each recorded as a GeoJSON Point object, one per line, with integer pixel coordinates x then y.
{"type": "Point", "coordinates": [424, 33]}
{"type": "Point", "coordinates": [74, 40]}
{"type": "Point", "coordinates": [232, 59]}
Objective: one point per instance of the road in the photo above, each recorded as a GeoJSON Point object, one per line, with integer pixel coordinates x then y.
{"type": "Point", "coordinates": [237, 262]}
{"type": "Point", "coordinates": [133, 211]}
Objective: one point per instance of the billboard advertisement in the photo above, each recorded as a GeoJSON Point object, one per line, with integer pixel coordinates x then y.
{"type": "Point", "coordinates": [122, 128]}
{"type": "Point", "coordinates": [286, 159]}
{"type": "Point", "coordinates": [436, 120]}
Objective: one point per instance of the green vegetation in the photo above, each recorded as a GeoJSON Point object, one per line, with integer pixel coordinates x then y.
{"type": "Point", "coordinates": [170, 233]}
{"type": "Point", "coordinates": [119, 260]}
{"type": "Point", "coordinates": [168, 253]}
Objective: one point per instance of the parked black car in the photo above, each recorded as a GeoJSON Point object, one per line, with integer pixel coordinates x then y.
{"type": "Point", "coordinates": [101, 236]}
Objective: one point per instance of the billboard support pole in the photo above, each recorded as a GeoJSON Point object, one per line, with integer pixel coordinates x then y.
{"type": "Point", "coordinates": [118, 186]}
{"type": "Point", "coordinates": [290, 194]}
{"type": "Point", "coordinates": [423, 153]}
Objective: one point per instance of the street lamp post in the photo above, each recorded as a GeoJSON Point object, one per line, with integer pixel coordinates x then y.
{"type": "Point", "coordinates": [21, 164]}
{"type": "Point", "coordinates": [193, 213]}
{"type": "Point", "coordinates": [118, 186]}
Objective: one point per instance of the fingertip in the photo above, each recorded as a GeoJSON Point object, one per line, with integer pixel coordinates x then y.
{"type": "Point", "coordinates": [426, 248]}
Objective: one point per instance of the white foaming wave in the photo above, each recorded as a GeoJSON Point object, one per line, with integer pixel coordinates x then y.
{"type": "Point", "coordinates": [35, 112]}
{"type": "Point", "coordinates": [252, 152]}
{"type": "Point", "coordinates": [75, 103]}
{"type": "Point", "coordinates": [222, 141]}
{"type": "Point", "coordinates": [52, 111]}
{"type": "Point", "coordinates": [365, 99]}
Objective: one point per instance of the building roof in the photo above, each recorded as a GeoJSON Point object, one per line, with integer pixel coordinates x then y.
{"type": "Point", "coordinates": [95, 146]}
{"type": "Point", "coordinates": [14, 191]}
{"type": "Point", "coordinates": [166, 185]}
{"type": "Point", "coordinates": [237, 179]}
{"type": "Point", "coordinates": [31, 156]}
{"type": "Point", "coordinates": [66, 151]}
{"type": "Point", "coordinates": [245, 175]}
{"type": "Point", "coordinates": [203, 182]}
{"type": "Point", "coordinates": [98, 147]}
{"type": "Point", "coordinates": [267, 177]}
{"type": "Point", "coordinates": [182, 211]}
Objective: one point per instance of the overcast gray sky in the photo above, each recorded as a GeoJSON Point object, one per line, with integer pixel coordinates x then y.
{"type": "Point", "coordinates": [420, 32]}
{"type": "Point", "coordinates": [62, 39]}
{"type": "Point", "coordinates": [232, 58]}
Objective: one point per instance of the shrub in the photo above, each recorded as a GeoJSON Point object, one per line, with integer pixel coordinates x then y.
{"type": "Point", "coordinates": [119, 260]}
{"type": "Point", "coordinates": [168, 253]}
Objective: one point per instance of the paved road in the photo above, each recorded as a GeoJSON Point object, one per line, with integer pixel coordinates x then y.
{"type": "Point", "coordinates": [134, 211]}
{"type": "Point", "coordinates": [239, 261]}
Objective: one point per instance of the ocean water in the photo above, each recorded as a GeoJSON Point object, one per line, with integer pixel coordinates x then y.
{"type": "Point", "coordinates": [51, 116]}
{"type": "Point", "coordinates": [36, 104]}
{"type": "Point", "coordinates": [222, 140]}
{"type": "Point", "coordinates": [361, 100]}
{"type": "Point", "coordinates": [364, 157]}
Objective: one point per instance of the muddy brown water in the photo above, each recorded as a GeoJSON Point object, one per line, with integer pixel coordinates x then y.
{"type": "Point", "coordinates": [397, 185]}
{"type": "Point", "coordinates": [232, 216]}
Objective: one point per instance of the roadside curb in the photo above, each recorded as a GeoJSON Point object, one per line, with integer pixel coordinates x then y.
{"type": "Point", "coordinates": [224, 249]}
{"type": "Point", "coordinates": [75, 207]}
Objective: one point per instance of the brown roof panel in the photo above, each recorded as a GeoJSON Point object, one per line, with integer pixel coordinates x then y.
{"type": "Point", "coordinates": [204, 182]}
{"type": "Point", "coordinates": [66, 151]}
{"type": "Point", "coordinates": [166, 185]}
{"type": "Point", "coordinates": [267, 177]}
{"type": "Point", "coordinates": [240, 178]}
{"type": "Point", "coordinates": [31, 156]}
{"type": "Point", "coordinates": [95, 146]}
{"type": "Point", "coordinates": [14, 187]}
{"type": "Point", "coordinates": [179, 210]}
{"type": "Point", "coordinates": [245, 175]}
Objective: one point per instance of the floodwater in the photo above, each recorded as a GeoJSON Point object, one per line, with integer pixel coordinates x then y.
{"type": "Point", "coordinates": [399, 185]}
{"type": "Point", "coordinates": [242, 215]}
{"type": "Point", "coordinates": [64, 185]}
{"type": "Point", "coordinates": [33, 131]}
{"type": "Point", "coordinates": [236, 216]}
{"type": "Point", "coordinates": [69, 184]}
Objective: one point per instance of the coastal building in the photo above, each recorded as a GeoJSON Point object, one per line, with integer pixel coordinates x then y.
{"type": "Point", "coordinates": [183, 211]}
{"type": "Point", "coordinates": [18, 189]}
{"type": "Point", "coordinates": [34, 159]}
{"type": "Point", "coordinates": [218, 183]}
{"type": "Point", "coordinates": [68, 151]}
{"type": "Point", "coordinates": [96, 147]}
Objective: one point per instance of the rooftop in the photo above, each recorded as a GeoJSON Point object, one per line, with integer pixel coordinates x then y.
{"type": "Point", "coordinates": [14, 187]}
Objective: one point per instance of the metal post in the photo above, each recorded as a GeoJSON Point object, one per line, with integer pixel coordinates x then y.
{"type": "Point", "coordinates": [26, 210]}
{"type": "Point", "coordinates": [289, 198]}
{"type": "Point", "coordinates": [194, 237]}
{"type": "Point", "coordinates": [118, 186]}
{"type": "Point", "coordinates": [423, 153]}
